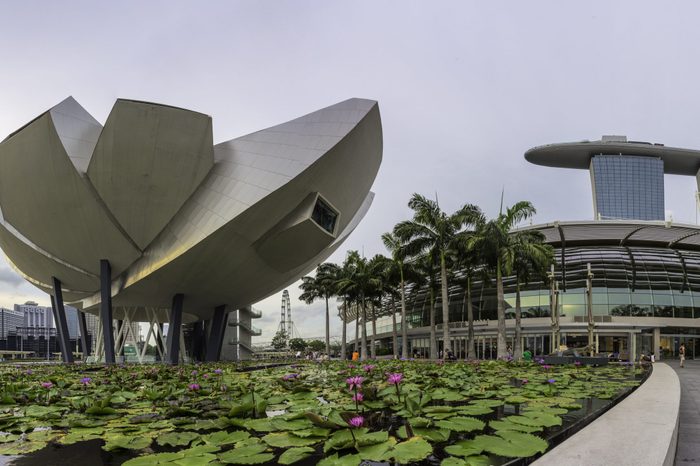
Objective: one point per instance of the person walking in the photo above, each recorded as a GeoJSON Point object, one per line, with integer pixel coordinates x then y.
{"type": "Point", "coordinates": [681, 353]}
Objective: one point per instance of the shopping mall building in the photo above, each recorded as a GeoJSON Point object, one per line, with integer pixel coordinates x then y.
{"type": "Point", "coordinates": [646, 272]}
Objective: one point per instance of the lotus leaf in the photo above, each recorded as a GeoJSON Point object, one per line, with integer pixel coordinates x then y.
{"type": "Point", "coordinates": [7, 437]}
{"type": "Point", "coordinates": [511, 444]}
{"type": "Point", "coordinates": [463, 448]}
{"type": "Point", "coordinates": [312, 432]}
{"type": "Point", "coordinates": [505, 424]}
{"type": "Point", "coordinates": [248, 454]}
{"type": "Point", "coordinates": [377, 451]}
{"type": "Point", "coordinates": [79, 435]}
{"type": "Point", "coordinates": [283, 424]}
{"type": "Point", "coordinates": [286, 440]}
{"type": "Point", "coordinates": [176, 439]}
{"type": "Point", "coordinates": [260, 425]}
{"type": "Point", "coordinates": [432, 434]}
{"type": "Point", "coordinates": [342, 439]}
{"type": "Point", "coordinates": [335, 460]}
{"type": "Point", "coordinates": [477, 460]}
{"type": "Point", "coordinates": [474, 410]}
{"type": "Point", "coordinates": [295, 454]}
{"type": "Point", "coordinates": [461, 424]}
{"type": "Point", "coordinates": [225, 438]}
{"type": "Point", "coordinates": [130, 442]}
{"type": "Point", "coordinates": [413, 449]}
{"type": "Point", "coordinates": [21, 447]}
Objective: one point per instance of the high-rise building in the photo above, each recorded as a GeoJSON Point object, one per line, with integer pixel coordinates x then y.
{"type": "Point", "coordinates": [10, 320]}
{"type": "Point", "coordinates": [627, 177]}
{"type": "Point", "coordinates": [72, 322]}
{"type": "Point", "coordinates": [36, 317]}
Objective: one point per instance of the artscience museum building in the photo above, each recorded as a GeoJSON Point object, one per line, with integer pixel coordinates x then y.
{"type": "Point", "coordinates": [145, 219]}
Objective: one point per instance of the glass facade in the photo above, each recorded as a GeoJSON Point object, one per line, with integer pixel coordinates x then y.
{"type": "Point", "coordinates": [627, 187]}
{"type": "Point", "coordinates": [628, 281]}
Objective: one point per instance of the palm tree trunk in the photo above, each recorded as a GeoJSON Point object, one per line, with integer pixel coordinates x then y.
{"type": "Point", "coordinates": [328, 330]}
{"type": "Point", "coordinates": [471, 354]}
{"type": "Point", "coordinates": [394, 337]}
{"type": "Point", "coordinates": [445, 309]}
{"type": "Point", "coordinates": [433, 343]}
{"type": "Point", "coordinates": [363, 344]}
{"type": "Point", "coordinates": [404, 325]}
{"type": "Point", "coordinates": [343, 342]}
{"type": "Point", "coordinates": [356, 346]}
{"type": "Point", "coordinates": [373, 351]}
{"type": "Point", "coordinates": [501, 347]}
{"type": "Point", "coordinates": [517, 350]}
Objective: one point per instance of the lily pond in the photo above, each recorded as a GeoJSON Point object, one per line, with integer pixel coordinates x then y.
{"type": "Point", "coordinates": [330, 413]}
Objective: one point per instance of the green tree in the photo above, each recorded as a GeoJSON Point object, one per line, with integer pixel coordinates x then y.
{"type": "Point", "coordinates": [279, 341]}
{"type": "Point", "coordinates": [359, 281]}
{"type": "Point", "coordinates": [433, 231]}
{"type": "Point", "coordinates": [316, 345]}
{"type": "Point", "coordinates": [527, 256]}
{"type": "Point", "coordinates": [322, 286]}
{"type": "Point", "coordinates": [425, 274]}
{"type": "Point", "coordinates": [395, 247]}
{"type": "Point", "coordinates": [495, 241]}
{"type": "Point", "coordinates": [469, 264]}
{"type": "Point", "coordinates": [297, 344]}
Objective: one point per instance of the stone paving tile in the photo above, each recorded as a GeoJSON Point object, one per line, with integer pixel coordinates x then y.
{"type": "Point", "coordinates": [688, 450]}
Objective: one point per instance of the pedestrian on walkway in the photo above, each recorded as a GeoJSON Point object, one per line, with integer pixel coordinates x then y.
{"type": "Point", "coordinates": [681, 353]}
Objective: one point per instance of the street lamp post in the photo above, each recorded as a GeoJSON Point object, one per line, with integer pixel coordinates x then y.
{"type": "Point", "coordinates": [591, 324]}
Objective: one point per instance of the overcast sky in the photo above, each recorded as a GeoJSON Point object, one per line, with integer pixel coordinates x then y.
{"type": "Point", "coordinates": [464, 89]}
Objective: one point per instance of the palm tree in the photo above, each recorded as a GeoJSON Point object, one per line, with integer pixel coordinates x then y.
{"type": "Point", "coordinates": [433, 230]}
{"type": "Point", "coordinates": [395, 247]}
{"type": "Point", "coordinates": [359, 282]}
{"type": "Point", "coordinates": [530, 256]}
{"type": "Point", "coordinates": [377, 267]}
{"type": "Point", "coordinates": [495, 241]}
{"type": "Point", "coordinates": [321, 286]}
{"type": "Point", "coordinates": [425, 274]}
{"type": "Point", "coordinates": [392, 280]}
{"type": "Point", "coordinates": [469, 263]}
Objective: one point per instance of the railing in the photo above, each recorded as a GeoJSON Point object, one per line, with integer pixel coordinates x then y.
{"type": "Point", "coordinates": [252, 329]}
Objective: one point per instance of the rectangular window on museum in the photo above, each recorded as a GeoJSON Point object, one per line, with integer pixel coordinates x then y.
{"type": "Point", "coordinates": [324, 216]}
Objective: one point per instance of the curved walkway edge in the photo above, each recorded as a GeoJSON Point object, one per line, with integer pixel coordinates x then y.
{"type": "Point", "coordinates": [640, 430]}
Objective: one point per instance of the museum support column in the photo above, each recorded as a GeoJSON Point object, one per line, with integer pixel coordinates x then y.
{"type": "Point", "coordinates": [61, 323]}
{"type": "Point", "coordinates": [106, 310]}
{"type": "Point", "coordinates": [657, 344]}
{"type": "Point", "coordinates": [216, 333]}
{"type": "Point", "coordinates": [174, 328]}
{"type": "Point", "coordinates": [82, 323]}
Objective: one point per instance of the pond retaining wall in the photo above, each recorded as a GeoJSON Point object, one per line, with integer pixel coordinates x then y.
{"type": "Point", "coordinates": [641, 430]}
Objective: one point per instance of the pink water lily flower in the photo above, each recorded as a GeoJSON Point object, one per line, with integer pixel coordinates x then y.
{"type": "Point", "coordinates": [395, 379]}
{"type": "Point", "coordinates": [356, 422]}
{"type": "Point", "coordinates": [358, 397]}
{"type": "Point", "coordinates": [46, 385]}
{"type": "Point", "coordinates": [194, 387]}
{"type": "Point", "coordinates": [354, 382]}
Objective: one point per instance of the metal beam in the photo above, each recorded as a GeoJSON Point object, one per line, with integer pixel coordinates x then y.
{"type": "Point", "coordinates": [216, 334]}
{"type": "Point", "coordinates": [174, 329]}
{"type": "Point", "coordinates": [106, 310]}
{"type": "Point", "coordinates": [83, 335]}
{"type": "Point", "coordinates": [61, 324]}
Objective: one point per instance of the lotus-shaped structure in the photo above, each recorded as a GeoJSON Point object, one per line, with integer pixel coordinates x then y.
{"type": "Point", "coordinates": [147, 215]}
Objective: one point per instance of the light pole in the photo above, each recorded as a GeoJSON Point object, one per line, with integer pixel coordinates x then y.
{"type": "Point", "coordinates": [554, 309]}
{"type": "Point", "coordinates": [591, 324]}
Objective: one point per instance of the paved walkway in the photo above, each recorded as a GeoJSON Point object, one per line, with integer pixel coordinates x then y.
{"type": "Point", "coordinates": [688, 450]}
{"type": "Point", "coordinates": [638, 431]}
